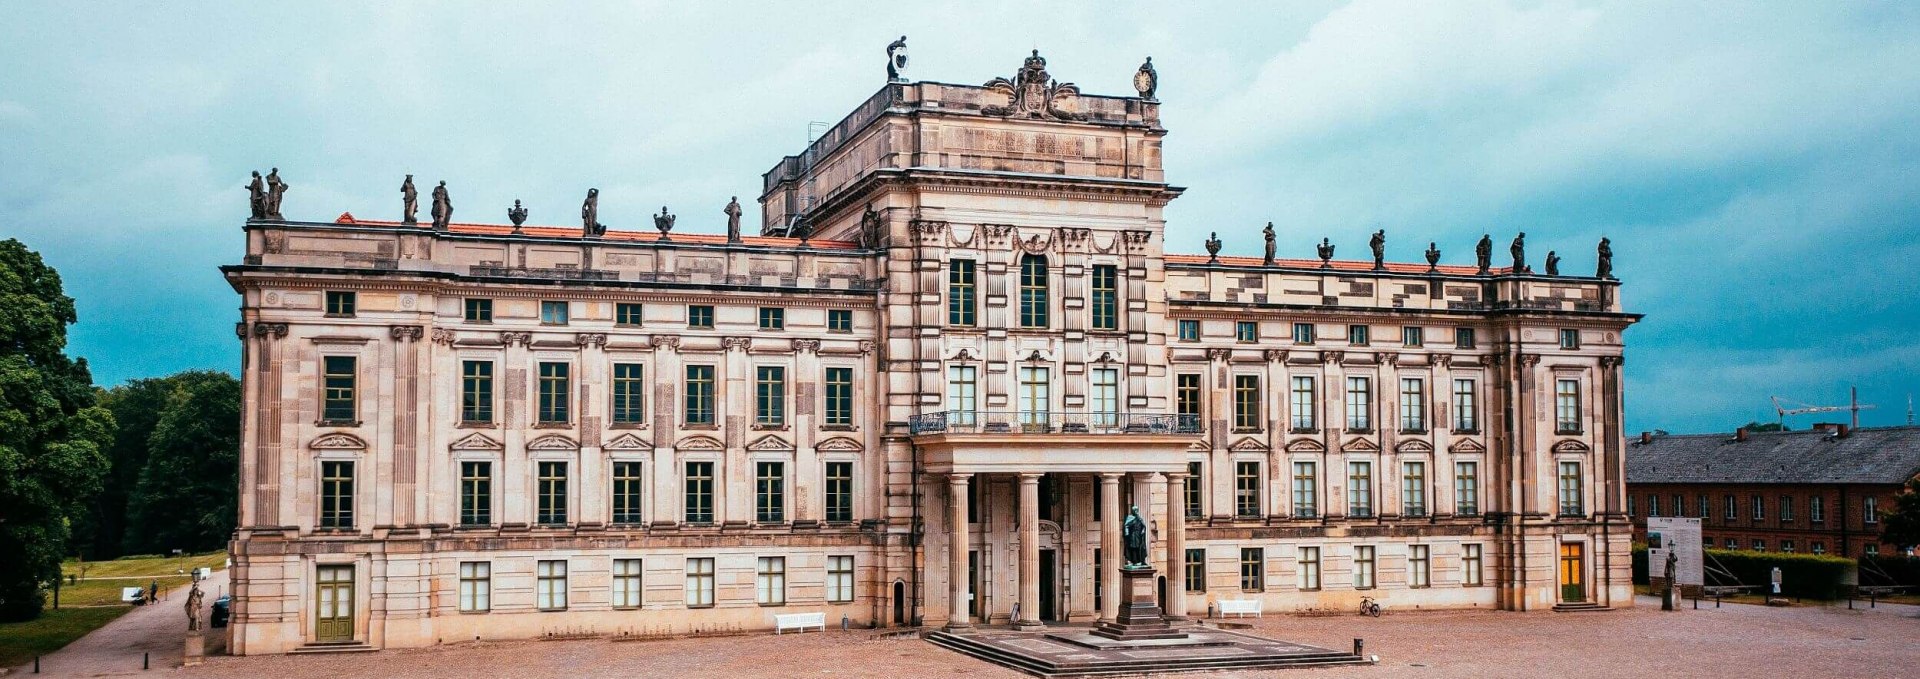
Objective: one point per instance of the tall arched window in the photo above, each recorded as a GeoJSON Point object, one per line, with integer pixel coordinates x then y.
{"type": "Point", "coordinates": [1033, 291]}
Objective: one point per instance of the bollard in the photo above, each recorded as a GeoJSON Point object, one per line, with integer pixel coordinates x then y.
{"type": "Point", "coordinates": [1359, 647]}
{"type": "Point", "coordinates": [36, 664]}
{"type": "Point", "coordinates": [1696, 603]}
{"type": "Point", "coordinates": [146, 661]}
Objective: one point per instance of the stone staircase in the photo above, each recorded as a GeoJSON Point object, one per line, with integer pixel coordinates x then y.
{"type": "Point", "coordinates": [1041, 667]}
{"type": "Point", "coordinates": [1579, 607]}
{"type": "Point", "coordinates": [333, 647]}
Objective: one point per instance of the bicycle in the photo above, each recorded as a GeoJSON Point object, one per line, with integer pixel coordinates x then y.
{"type": "Point", "coordinates": [1369, 607]}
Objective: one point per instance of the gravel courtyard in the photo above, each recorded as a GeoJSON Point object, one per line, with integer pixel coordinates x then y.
{"type": "Point", "coordinates": [1733, 641]}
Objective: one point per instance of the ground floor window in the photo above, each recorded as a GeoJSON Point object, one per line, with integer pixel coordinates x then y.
{"type": "Point", "coordinates": [839, 579]}
{"type": "Point", "coordinates": [476, 586]}
{"type": "Point", "coordinates": [1252, 570]}
{"type": "Point", "coordinates": [699, 583]}
{"type": "Point", "coordinates": [1309, 567]}
{"type": "Point", "coordinates": [1418, 572]}
{"type": "Point", "coordinates": [771, 580]}
{"type": "Point", "coordinates": [1470, 565]}
{"type": "Point", "coordinates": [626, 583]}
{"type": "Point", "coordinates": [1197, 570]}
{"type": "Point", "coordinates": [1363, 567]}
{"type": "Point", "coordinates": [551, 585]}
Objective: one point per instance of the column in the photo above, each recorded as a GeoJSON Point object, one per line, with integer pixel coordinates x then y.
{"type": "Point", "coordinates": [1029, 552]}
{"type": "Point", "coordinates": [1111, 551]}
{"type": "Point", "coordinates": [957, 561]}
{"type": "Point", "coordinates": [1176, 535]}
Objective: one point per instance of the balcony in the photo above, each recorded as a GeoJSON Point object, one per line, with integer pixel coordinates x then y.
{"type": "Point", "coordinates": [1042, 422]}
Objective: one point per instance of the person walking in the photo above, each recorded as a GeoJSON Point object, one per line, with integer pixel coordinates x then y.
{"type": "Point", "coordinates": [153, 591]}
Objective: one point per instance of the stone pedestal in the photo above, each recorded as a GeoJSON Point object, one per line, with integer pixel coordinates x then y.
{"type": "Point", "coordinates": [196, 649]}
{"type": "Point", "coordinates": [1139, 618]}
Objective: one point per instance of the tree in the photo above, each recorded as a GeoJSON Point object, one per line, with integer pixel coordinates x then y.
{"type": "Point", "coordinates": [1756, 426]}
{"type": "Point", "coordinates": [136, 407]}
{"type": "Point", "coordinates": [186, 496]}
{"type": "Point", "coordinates": [1900, 525]}
{"type": "Point", "coordinates": [51, 431]}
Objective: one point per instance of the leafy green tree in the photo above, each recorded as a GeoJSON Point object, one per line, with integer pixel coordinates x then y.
{"type": "Point", "coordinates": [1900, 524]}
{"type": "Point", "coordinates": [136, 407]}
{"type": "Point", "coordinates": [187, 490]}
{"type": "Point", "coordinates": [51, 431]}
{"type": "Point", "coordinates": [1757, 426]}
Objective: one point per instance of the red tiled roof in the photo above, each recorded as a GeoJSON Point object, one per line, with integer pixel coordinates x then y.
{"type": "Point", "coordinates": [611, 235]}
{"type": "Point", "coordinates": [1337, 265]}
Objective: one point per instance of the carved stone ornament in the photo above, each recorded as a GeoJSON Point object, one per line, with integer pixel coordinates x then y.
{"type": "Point", "coordinates": [1326, 253]}
{"type": "Point", "coordinates": [1247, 444]}
{"type": "Point", "coordinates": [1306, 446]}
{"type": "Point", "coordinates": [590, 339]}
{"type": "Point", "coordinates": [1275, 355]}
{"type": "Point", "coordinates": [699, 443]}
{"type": "Point", "coordinates": [1333, 357]}
{"type": "Point", "coordinates": [1612, 361]}
{"type": "Point", "coordinates": [1038, 243]}
{"type": "Point", "coordinates": [866, 347]}
{"type": "Point", "coordinates": [274, 330]}
{"type": "Point", "coordinates": [240, 329]}
{"type": "Point", "coordinates": [1213, 248]}
{"type": "Point", "coordinates": [517, 214]}
{"type": "Point", "coordinates": [627, 442]}
{"type": "Point", "coordinates": [1137, 240]}
{"type": "Point", "coordinates": [1146, 80]}
{"type": "Point", "coordinates": [1389, 358]}
{"type": "Point", "coordinates": [1219, 354]}
{"type": "Point", "coordinates": [477, 441]}
{"type": "Point", "coordinates": [666, 341]}
{"type": "Point", "coordinates": [1433, 257]}
{"type": "Point", "coordinates": [1571, 446]}
{"type": "Point", "coordinates": [276, 243]}
{"type": "Point", "coordinates": [1529, 360]}
{"type": "Point", "coordinates": [443, 336]}
{"type": "Point", "coordinates": [406, 332]}
{"type": "Point", "coordinates": [872, 228]}
{"type": "Point", "coordinates": [1443, 360]}
{"type": "Point", "coordinates": [839, 444]}
{"type": "Point", "coordinates": [512, 338]}
{"type": "Point", "coordinates": [769, 443]}
{"type": "Point", "coordinates": [663, 222]}
{"type": "Point", "coordinates": [806, 345]}
{"type": "Point", "coordinates": [741, 343]}
{"type": "Point", "coordinates": [1360, 444]}
{"type": "Point", "coordinates": [1466, 446]}
{"type": "Point", "coordinates": [553, 442]}
{"type": "Point", "coordinates": [928, 231]}
{"type": "Point", "coordinates": [897, 60]}
{"type": "Point", "coordinates": [1035, 94]}
{"type": "Point", "coordinates": [338, 441]}
{"type": "Point", "coordinates": [1416, 446]}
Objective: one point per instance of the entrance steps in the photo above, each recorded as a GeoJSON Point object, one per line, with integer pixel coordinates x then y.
{"type": "Point", "coordinates": [1165, 660]}
{"type": "Point", "coordinates": [333, 647]}
{"type": "Point", "coordinates": [1579, 607]}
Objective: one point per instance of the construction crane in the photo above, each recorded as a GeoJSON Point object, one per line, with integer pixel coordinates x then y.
{"type": "Point", "coordinates": [1783, 407]}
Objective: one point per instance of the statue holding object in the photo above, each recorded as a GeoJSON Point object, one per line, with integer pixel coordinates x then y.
{"type": "Point", "coordinates": [257, 197]}
{"type": "Point", "coordinates": [409, 202]}
{"type": "Point", "coordinates": [1134, 531]}
{"type": "Point", "coordinates": [1604, 269]}
{"type": "Point", "coordinates": [733, 217]}
{"type": "Point", "coordinates": [1484, 253]}
{"type": "Point", "coordinates": [1271, 248]}
{"type": "Point", "coordinates": [1379, 245]}
{"type": "Point", "coordinates": [442, 207]}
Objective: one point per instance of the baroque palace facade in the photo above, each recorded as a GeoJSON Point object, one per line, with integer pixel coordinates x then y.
{"type": "Point", "coordinates": [930, 408]}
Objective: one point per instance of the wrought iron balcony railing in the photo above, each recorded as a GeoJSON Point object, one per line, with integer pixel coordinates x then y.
{"type": "Point", "coordinates": [1044, 422]}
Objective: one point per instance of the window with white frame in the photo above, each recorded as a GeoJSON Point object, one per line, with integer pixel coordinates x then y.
{"type": "Point", "coordinates": [1104, 396]}
{"type": "Point", "coordinates": [1302, 407]}
{"type": "Point", "coordinates": [1413, 405]}
{"type": "Point", "coordinates": [1466, 412]}
{"type": "Point", "coordinates": [1363, 570]}
{"type": "Point", "coordinates": [1359, 403]}
{"type": "Point", "coordinates": [1466, 488]}
{"type": "Point", "coordinates": [1570, 500]}
{"type": "Point", "coordinates": [1035, 398]}
{"type": "Point", "coordinates": [1419, 566]}
{"type": "Point", "coordinates": [1360, 489]}
{"type": "Point", "coordinates": [1306, 489]}
{"type": "Point", "coordinates": [1566, 406]}
{"type": "Point", "coordinates": [700, 582]}
{"type": "Point", "coordinates": [963, 394]}
{"type": "Point", "coordinates": [1309, 568]}
{"type": "Point", "coordinates": [1413, 488]}
{"type": "Point", "coordinates": [1470, 565]}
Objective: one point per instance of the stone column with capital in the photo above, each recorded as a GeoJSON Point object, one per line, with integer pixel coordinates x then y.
{"type": "Point", "coordinates": [957, 619]}
{"type": "Point", "coordinates": [1111, 553]}
{"type": "Point", "coordinates": [1029, 553]}
{"type": "Point", "coordinates": [1175, 533]}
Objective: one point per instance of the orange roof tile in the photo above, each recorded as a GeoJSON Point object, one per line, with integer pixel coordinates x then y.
{"type": "Point", "coordinates": [611, 235]}
{"type": "Point", "coordinates": [1337, 265]}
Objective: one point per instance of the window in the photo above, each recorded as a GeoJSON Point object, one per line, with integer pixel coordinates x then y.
{"type": "Point", "coordinates": [1786, 546]}
{"type": "Point", "coordinates": [1816, 509]}
{"type": "Point", "coordinates": [770, 492]}
{"type": "Point", "coordinates": [1360, 489]}
{"type": "Point", "coordinates": [839, 320]}
{"type": "Point", "coordinates": [626, 492]}
{"type": "Point", "coordinates": [553, 313]}
{"type": "Point", "coordinates": [552, 493]}
{"type": "Point", "coordinates": [626, 313]}
{"type": "Point", "coordinates": [476, 493]}
{"type": "Point", "coordinates": [770, 578]}
{"type": "Point", "coordinates": [1466, 488]}
{"type": "Point", "coordinates": [554, 392]}
{"type": "Point", "coordinates": [1413, 336]}
{"type": "Point", "coordinates": [699, 395]}
{"type": "Point", "coordinates": [339, 380]}
{"type": "Point", "coordinates": [1419, 571]}
{"type": "Point", "coordinates": [773, 318]}
{"type": "Point", "coordinates": [1413, 488]}
{"type": "Point", "coordinates": [963, 394]}
{"type": "Point", "coordinates": [1706, 509]}
{"type": "Point", "coordinates": [699, 316]}
{"type": "Point", "coordinates": [1566, 406]}
{"type": "Point", "coordinates": [1034, 399]}
{"type": "Point", "coordinates": [1730, 512]}
{"type": "Point", "coordinates": [1246, 403]}
{"type": "Point", "coordinates": [476, 586]}
{"type": "Point", "coordinates": [1630, 504]}
{"type": "Point", "coordinates": [1570, 504]}
{"type": "Point", "coordinates": [1870, 510]}
{"type": "Point", "coordinates": [1189, 330]}
{"type": "Point", "coordinates": [1186, 399]}
{"type": "Point", "coordinates": [1253, 576]}
{"type": "Point", "coordinates": [839, 579]}
{"type": "Point", "coordinates": [1569, 339]}
{"type": "Point", "coordinates": [770, 396]}
{"type": "Point", "coordinates": [1732, 543]}
{"type": "Point", "coordinates": [1103, 398]}
{"type": "Point", "coordinates": [1246, 331]}
{"type": "Point", "coordinates": [1653, 505]}
{"type": "Point", "coordinates": [479, 310]}
{"type": "Point", "coordinates": [1192, 491]}
{"type": "Point", "coordinates": [1358, 335]}
{"type": "Point", "coordinates": [1197, 570]}
{"type": "Point", "coordinates": [1306, 490]}
{"type": "Point", "coordinates": [629, 393]}
{"type": "Point", "coordinates": [1759, 507]}
{"type": "Point", "coordinates": [1033, 291]}
{"type": "Point", "coordinates": [552, 585]}
{"type": "Point", "coordinates": [1303, 333]}
{"type": "Point", "coordinates": [1759, 545]}
{"type": "Point", "coordinates": [1246, 489]}
{"type": "Point", "coordinates": [1302, 408]}
{"type": "Point", "coordinates": [1470, 565]}
{"type": "Point", "coordinates": [700, 583]}
{"type": "Point", "coordinates": [476, 391]}
{"type": "Point", "coordinates": [839, 397]}
{"type": "Point", "coordinates": [336, 494]}
{"type": "Point", "coordinates": [1466, 415]}
{"type": "Point", "coordinates": [960, 292]}
{"type": "Point", "coordinates": [1360, 404]}
{"type": "Point", "coordinates": [1106, 297]}
{"type": "Point", "coordinates": [1463, 338]}
{"type": "Point", "coordinates": [699, 492]}
{"type": "Point", "coordinates": [1786, 509]}
{"type": "Point", "coordinates": [1413, 405]}
{"type": "Point", "coordinates": [626, 583]}
{"type": "Point", "coordinates": [1309, 563]}
{"type": "Point", "coordinates": [1363, 567]}
{"type": "Point", "coordinates": [340, 303]}
{"type": "Point", "coordinates": [839, 491]}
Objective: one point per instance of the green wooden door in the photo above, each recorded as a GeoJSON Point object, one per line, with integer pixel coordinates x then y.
{"type": "Point", "coordinates": [1573, 587]}
{"type": "Point", "coordinates": [333, 598]}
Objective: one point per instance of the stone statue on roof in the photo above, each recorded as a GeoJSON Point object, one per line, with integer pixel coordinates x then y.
{"type": "Point", "coordinates": [1271, 248]}
{"type": "Point", "coordinates": [1519, 250]}
{"type": "Point", "coordinates": [733, 214]}
{"type": "Point", "coordinates": [1213, 248]}
{"type": "Point", "coordinates": [590, 215]}
{"type": "Point", "coordinates": [517, 214]}
{"type": "Point", "coordinates": [1553, 263]}
{"type": "Point", "coordinates": [872, 228]}
{"type": "Point", "coordinates": [1483, 253]}
{"type": "Point", "coordinates": [409, 201]}
{"type": "Point", "coordinates": [663, 222]}
{"type": "Point", "coordinates": [1604, 269]}
{"type": "Point", "coordinates": [1146, 80]}
{"type": "Point", "coordinates": [1433, 257]}
{"type": "Point", "coordinates": [442, 207]}
{"type": "Point", "coordinates": [1326, 253]}
{"type": "Point", "coordinates": [257, 197]}
{"type": "Point", "coordinates": [276, 192]}
{"type": "Point", "coordinates": [897, 60]}
{"type": "Point", "coordinates": [1379, 245]}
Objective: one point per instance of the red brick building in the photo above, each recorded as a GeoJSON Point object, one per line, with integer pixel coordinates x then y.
{"type": "Point", "coordinates": [1818, 491]}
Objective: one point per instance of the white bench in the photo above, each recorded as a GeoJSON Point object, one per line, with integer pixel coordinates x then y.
{"type": "Point", "coordinates": [1240, 607]}
{"type": "Point", "coordinates": [799, 621]}
{"type": "Point", "coordinates": [133, 595]}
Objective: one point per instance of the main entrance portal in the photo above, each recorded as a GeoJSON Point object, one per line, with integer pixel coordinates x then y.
{"type": "Point", "coordinates": [333, 599]}
{"type": "Point", "coordinates": [1573, 587]}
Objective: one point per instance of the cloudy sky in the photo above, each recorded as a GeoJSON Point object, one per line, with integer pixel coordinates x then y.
{"type": "Point", "coordinates": [1757, 165]}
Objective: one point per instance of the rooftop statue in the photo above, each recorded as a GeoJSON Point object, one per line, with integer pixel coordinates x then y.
{"type": "Point", "coordinates": [1268, 232]}
{"type": "Point", "coordinates": [1213, 248]}
{"type": "Point", "coordinates": [442, 207]}
{"type": "Point", "coordinates": [1326, 253]}
{"type": "Point", "coordinates": [1484, 253]}
{"type": "Point", "coordinates": [1433, 257]}
{"type": "Point", "coordinates": [1605, 267]}
{"type": "Point", "coordinates": [257, 197]}
{"type": "Point", "coordinates": [1553, 263]}
{"type": "Point", "coordinates": [663, 222]}
{"type": "Point", "coordinates": [409, 202]}
{"type": "Point", "coordinates": [1146, 80]}
{"type": "Point", "coordinates": [1034, 93]}
{"type": "Point", "coordinates": [872, 228]}
{"type": "Point", "coordinates": [276, 192]}
{"type": "Point", "coordinates": [733, 213]}
{"type": "Point", "coordinates": [1379, 245]}
{"type": "Point", "coordinates": [1519, 250]}
{"type": "Point", "coordinates": [897, 60]}
{"type": "Point", "coordinates": [590, 215]}
{"type": "Point", "coordinates": [517, 215]}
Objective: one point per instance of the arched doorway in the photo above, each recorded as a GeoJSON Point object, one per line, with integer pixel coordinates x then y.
{"type": "Point", "coordinates": [899, 602]}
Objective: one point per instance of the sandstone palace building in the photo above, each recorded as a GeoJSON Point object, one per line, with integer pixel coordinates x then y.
{"type": "Point", "coordinates": [924, 393]}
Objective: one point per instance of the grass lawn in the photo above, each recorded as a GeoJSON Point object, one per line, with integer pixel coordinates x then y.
{"type": "Point", "coordinates": [21, 641]}
{"type": "Point", "coordinates": [145, 567]}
